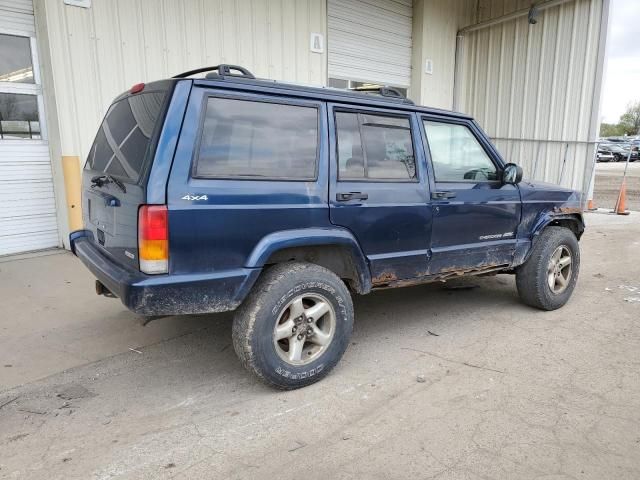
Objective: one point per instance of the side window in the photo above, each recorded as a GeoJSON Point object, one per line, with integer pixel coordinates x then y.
{"type": "Point", "coordinates": [258, 140]}
{"type": "Point", "coordinates": [374, 147]}
{"type": "Point", "coordinates": [456, 154]}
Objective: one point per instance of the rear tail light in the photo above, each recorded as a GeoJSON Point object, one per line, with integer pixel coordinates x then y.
{"type": "Point", "coordinates": [153, 239]}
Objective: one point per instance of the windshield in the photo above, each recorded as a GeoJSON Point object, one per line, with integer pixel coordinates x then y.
{"type": "Point", "coordinates": [121, 143]}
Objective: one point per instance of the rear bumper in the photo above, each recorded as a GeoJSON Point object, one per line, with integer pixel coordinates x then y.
{"type": "Point", "coordinates": [164, 294]}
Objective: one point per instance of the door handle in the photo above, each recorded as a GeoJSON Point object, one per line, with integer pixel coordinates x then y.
{"type": "Point", "coordinates": [443, 195]}
{"type": "Point", "coordinates": [345, 197]}
{"type": "Point", "coordinates": [111, 201]}
{"type": "Point", "coordinates": [108, 199]}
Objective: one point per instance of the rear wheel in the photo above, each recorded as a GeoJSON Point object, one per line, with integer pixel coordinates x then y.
{"type": "Point", "coordinates": [547, 279]}
{"type": "Point", "coordinates": [295, 325]}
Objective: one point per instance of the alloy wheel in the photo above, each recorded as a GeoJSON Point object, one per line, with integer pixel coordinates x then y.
{"type": "Point", "coordinates": [559, 269]}
{"type": "Point", "coordinates": [304, 329]}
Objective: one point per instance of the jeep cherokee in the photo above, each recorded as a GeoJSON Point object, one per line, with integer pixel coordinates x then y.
{"type": "Point", "coordinates": [281, 201]}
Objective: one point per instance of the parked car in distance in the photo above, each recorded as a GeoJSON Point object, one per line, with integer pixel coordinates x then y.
{"type": "Point", "coordinates": [604, 155]}
{"type": "Point", "coordinates": [620, 151]}
{"type": "Point", "coordinates": [281, 201]}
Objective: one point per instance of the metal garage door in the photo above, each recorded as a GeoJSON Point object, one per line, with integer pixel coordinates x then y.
{"type": "Point", "coordinates": [370, 41]}
{"type": "Point", "coordinates": [27, 204]}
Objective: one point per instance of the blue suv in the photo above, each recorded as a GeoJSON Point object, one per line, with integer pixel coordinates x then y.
{"type": "Point", "coordinates": [281, 201]}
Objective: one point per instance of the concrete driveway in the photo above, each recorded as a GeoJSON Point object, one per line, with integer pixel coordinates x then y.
{"type": "Point", "coordinates": [505, 391]}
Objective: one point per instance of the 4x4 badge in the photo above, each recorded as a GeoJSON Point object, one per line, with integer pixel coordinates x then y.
{"type": "Point", "coordinates": [188, 196]}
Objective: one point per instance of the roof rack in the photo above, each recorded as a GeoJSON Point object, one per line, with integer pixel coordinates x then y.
{"type": "Point", "coordinates": [219, 71]}
{"type": "Point", "coordinates": [389, 92]}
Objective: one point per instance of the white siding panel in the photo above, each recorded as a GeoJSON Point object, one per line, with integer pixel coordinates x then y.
{"type": "Point", "coordinates": [27, 202]}
{"type": "Point", "coordinates": [370, 41]}
{"type": "Point", "coordinates": [21, 6]}
{"type": "Point", "coordinates": [28, 241]}
{"type": "Point", "coordinates": [98, 52]}
{"type": "Point", "coordinates": [533, 87]}
{"type": "Point", "coordinates": [16, 17]}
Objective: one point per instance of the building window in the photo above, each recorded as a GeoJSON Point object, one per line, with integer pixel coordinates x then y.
{"type": "Point", "coordinates": [355, 85]}
{"type": "Point", "coordinates": [456, 154]}
{"type": "Point", "coordinates": [15, 59]}
{"type": "Point", "coordinates": [374, 147]}
{"type": "Point", "coordinates": [19, 116]}
{"type": "Point", "coordinates": [258, 140]}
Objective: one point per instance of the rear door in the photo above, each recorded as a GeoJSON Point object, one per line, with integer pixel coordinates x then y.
{"type": "Point", "coordinates": [475, 215]}
{"type": "Point", "coordinates": [122, 149]}
{"type": "Point", "coordinates": [247, 165]}
{"type": "Point", "coordinates": [379, 189]}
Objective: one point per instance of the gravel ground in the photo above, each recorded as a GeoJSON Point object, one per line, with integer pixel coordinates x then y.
{"type": "Point", "coordinates": [608, 180]}
{"type": "Point", "coordinates": [439, 382]}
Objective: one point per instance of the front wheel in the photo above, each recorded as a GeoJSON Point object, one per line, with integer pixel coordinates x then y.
{"type": "Point", "coordinates": [547, 279]}
{"type": "Point", "coordinates": [295, 325]}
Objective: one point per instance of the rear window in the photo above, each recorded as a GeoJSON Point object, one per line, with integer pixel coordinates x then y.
{"type": "Point", "coordinates": [258, 140]}
{"type": "Point", "coordinates": [123, 138]}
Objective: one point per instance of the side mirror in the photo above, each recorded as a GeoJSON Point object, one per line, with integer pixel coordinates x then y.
{"type": "Point", "coordinates": [512, 174]}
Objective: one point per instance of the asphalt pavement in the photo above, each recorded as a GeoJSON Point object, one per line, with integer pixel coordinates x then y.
{"type": "Point", "coordinates": [608, 181]}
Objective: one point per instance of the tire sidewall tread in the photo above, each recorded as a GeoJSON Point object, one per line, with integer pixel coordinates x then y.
{"type": "Point", "coordinates": [531, 277]}
{"type": "Point", "coordinates": [255, 319]}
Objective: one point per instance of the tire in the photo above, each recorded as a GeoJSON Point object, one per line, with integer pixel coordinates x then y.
{"type": "Point", "coordinates": [285, 296]}
{"type": "Point", "coordinates": [533, 277]}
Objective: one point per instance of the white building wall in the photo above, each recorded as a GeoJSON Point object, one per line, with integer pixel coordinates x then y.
{"type": "Point", "coordinates": [98, 52]}
{"type": "Point", "coordinates": [435, 25]}
{"type": "Point", "coordinates": [535, 89]}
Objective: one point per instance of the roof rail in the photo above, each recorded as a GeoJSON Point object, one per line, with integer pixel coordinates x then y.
{"type": "Point", "coordinates": [221, 70]}
{"type": "Point", "coordinates": [383, 92]}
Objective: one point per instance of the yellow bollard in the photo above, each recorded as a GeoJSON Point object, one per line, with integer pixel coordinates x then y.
{"type": "Point", "coordinates": [71, 172]}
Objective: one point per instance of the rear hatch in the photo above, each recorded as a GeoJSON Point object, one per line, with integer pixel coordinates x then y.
{"type": "Point", "coordinates": [117, 167]}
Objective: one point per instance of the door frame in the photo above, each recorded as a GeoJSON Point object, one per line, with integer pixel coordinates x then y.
{"type": "Point", "coordinates": [405, 264]}
{"type": "Point", "coordinates": [36, 89]}
{"type": "Point", "coordinates": [498, 162]}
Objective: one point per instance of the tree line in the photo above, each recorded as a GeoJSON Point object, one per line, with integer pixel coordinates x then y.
{"type": "Point", "coordinates": [628, 124]}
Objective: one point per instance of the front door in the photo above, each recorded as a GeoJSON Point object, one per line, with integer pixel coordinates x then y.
{"type": "Point", "coordinates": [475, 215]}
{"type": "Point", "coordinates": [379, 190]}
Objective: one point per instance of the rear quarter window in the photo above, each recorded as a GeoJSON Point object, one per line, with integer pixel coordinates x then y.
{"type": "Point", "coordinates": [122, 141]}
{"type": "Point", "coordinates": [244, 139]}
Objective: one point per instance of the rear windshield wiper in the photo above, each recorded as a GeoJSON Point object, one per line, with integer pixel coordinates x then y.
{"type": "Point", "coordinates": [100, 180]}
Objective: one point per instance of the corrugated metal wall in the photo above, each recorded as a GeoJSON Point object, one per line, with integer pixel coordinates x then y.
{"type": "Point", "coordinates": [534, 88]}
{"type": "Point", "coordinates": [99, 52]}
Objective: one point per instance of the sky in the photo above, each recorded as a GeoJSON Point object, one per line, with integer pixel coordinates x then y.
{"type": "Point", "coordinates": [622, 70]}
